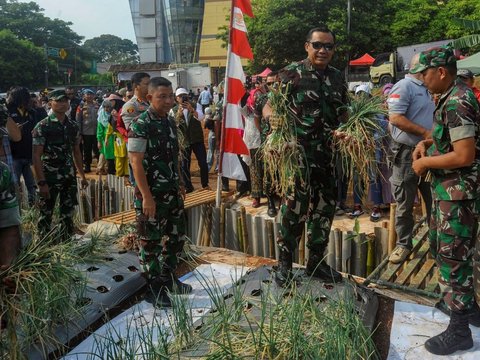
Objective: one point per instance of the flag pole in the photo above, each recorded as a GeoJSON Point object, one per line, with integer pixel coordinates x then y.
{"type": "Point", "coordinates": [218, 198]}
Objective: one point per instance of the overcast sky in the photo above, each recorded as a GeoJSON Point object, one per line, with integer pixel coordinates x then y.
{"type": "Point", "coordinates": [92, 18]}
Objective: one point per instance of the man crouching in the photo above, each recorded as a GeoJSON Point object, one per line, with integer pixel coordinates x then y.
{"type": "Point", "coordinates": [153, 153]}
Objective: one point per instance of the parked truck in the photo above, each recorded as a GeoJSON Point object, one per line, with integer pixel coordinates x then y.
{"type": "Point", "coordinates": [391, 67]}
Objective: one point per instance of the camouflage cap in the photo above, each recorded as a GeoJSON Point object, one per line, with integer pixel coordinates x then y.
{"type": "Point", "coordinates": [434, 57]}
{"type": "Point", "coordinates": [57, 95]}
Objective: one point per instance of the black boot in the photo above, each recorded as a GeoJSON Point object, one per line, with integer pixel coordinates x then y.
{"type": "Point", "coordinates": [457, 336]}
{"type": "Point", "coordinates": [473, 313]}
{"type": "Point", "coordinates": [284, 274]}
{"type": "Point", "coordinates": [318, 268]}
{"type": "Point", "coordinates": [160, 287]}
{"type": "Point", "coordinates": [272, 209]}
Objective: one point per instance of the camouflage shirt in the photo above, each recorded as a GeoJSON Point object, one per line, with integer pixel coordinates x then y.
{"type": "Point", "coordinates": [457, 117]}
{"type": "Point", "coordinates": [8, 199]}
{"type": "Point", "coordinates": [58, 141]}
{"type": "Point", "coordinates": [156, 137]}
{"type": "Point", "coordinates": [317, 99]}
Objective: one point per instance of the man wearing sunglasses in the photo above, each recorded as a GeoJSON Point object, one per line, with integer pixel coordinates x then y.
{"type": "Point", "coordinates": [316, 94]}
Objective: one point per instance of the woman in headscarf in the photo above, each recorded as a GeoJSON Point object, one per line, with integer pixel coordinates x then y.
{"type": "Point", "coordinates": [106, 126]}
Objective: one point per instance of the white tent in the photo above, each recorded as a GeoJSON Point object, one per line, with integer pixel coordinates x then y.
{"type": "Point", "coordinates": [471, 63]}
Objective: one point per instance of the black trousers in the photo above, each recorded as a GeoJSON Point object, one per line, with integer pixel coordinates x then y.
{"type": "Point", "coordinates": [201, 155]}
{"type": "Point", "coordinates": [89, 146]}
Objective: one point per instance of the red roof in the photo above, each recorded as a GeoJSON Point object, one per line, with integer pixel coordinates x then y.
{"type": "Point", "coordinates": [365, 60]}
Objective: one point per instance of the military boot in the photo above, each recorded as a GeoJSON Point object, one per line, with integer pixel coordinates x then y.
{"type": "Point", "coordinates": [164, 284]}
{"type": "Point", "coordinates": [272, 209]}
{"type": "Point", "coordinates": [473, 313]}
{"type": "Point", "coordinates": [284, 273]}
{"type": "Point", "coordinates": [317, 267]}
{"type": "Point", "coordinates": [457, 336]}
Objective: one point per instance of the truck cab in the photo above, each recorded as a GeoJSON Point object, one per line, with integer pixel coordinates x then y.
{"type": "Point", "coordinates": [384, 69]}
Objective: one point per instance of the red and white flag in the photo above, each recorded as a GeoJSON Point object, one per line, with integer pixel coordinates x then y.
{"type": "Point", "coordinates": [238, 47]}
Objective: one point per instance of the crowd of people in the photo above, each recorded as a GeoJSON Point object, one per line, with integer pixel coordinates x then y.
{"type": "Point", "coordinates": [147, 132]}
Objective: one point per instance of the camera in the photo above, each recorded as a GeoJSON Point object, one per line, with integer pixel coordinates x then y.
{"type": "Point", "coordinates": [184, 98]}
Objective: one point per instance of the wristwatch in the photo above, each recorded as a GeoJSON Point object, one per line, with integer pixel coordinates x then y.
{"type": "Point", "coordinates": [41, 182]}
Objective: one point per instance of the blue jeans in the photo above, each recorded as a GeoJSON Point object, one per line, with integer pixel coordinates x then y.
{"type": "Point", "coordinates": [22, 167]}
{"type": "Point", "coordinates": [211, 150]}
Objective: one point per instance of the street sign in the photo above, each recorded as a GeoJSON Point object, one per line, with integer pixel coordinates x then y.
{"type": "Point", "coordinates": [55, 52]}
{"type": "Point", "coordinates": [62, 53]}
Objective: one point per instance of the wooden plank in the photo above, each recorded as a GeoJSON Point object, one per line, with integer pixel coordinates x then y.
{"type": "Point", "coordinates": [193, 199]}
{"type": "Point", "coordinates": [422, 274]}
{"type": "Point", "coordinates": [413, 264]}
{"type": "Point", "coordinates": [393, 268]}
{"type": "Point", "coordinates": [433, 283]}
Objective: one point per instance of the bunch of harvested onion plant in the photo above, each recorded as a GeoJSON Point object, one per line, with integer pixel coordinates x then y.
{"type": "Point", "coordinates": [281, 152]}
{"type": "Point", "coordinates": [40, 290]}
{"type": "Point", "coordinates": [362, 136]}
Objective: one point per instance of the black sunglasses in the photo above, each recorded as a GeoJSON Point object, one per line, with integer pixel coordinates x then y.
{"type": "Point", "coordinates": [317, 45]}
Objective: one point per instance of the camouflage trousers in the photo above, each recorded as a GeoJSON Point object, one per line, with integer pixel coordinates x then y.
{"type": "Point", "coordinates": [313, 203]}
{"type": "Point", "coordinates": [66, 192]}
{"type": "Point", "coordinates": [163, 236]}
{"type": "Point", "coordinates": [452, 236]}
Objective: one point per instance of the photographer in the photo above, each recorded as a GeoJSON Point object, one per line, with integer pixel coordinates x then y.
{"type": "Point", "coordinates": [188, 118]}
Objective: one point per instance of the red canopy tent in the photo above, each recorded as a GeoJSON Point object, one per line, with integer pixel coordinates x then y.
{"type": "Point", "coordinates": [365, 60]}
{"type": "Point", "coordinates": [265, 72]}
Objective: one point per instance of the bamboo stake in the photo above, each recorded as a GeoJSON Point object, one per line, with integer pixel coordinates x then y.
{"type": "Point", "coordinates": [200, 226]}
{"type": "Point", "coordinates": [301, 249]}
{"type": "Point", "coordinates": [370, 256]}
{"type": "Point", "coordinates": [92, 199]}
{"type": "Point", "coordinates": [392, 234]}
{"type": "Point", "coordinates": [338, 249]}
{"type": "Point", "coordinates": [243, 217]}
{"type": "Point", "coordinates": [271, 238]}
{"type": "Point", "coordinates": [239, 233]}
{"type": "Point", "coordinates": [84, 207]}
{"type": "Point", "coordinates": [222, 225]}
{"type": "Point", "coordinates": [208, 232]}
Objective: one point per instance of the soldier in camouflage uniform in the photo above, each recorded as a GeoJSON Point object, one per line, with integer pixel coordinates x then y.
{"type": "Point", "coordinates": [56, 150]}
{"type": "Point", "coordinates": [10, 240]}
{"type": "Point", "coordinates": [317, 93]}
{"type": "Point", "coordinates": [153, 152]}
{"type": "Point", "coordinates": [453, 158]}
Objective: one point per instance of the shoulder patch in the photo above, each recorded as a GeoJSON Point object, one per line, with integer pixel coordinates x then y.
{"type": "Point", "coordinates": [130, 110]}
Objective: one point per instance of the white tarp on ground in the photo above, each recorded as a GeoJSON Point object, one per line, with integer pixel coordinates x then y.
{"type": "Point", "coordinates": [144, 315]}
{"type": "Point", "coordinates": [413, 324]}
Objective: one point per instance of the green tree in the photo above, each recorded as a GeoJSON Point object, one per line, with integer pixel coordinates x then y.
{"type": "Point", "coordinates": [21, 62]}
{"type": "Point", "coordinates": [111, 48]}
{"type": "Point", "coordinates": [277, 32]}
{"type": "Point", "coordinates": [98, 79]}
{"type": "Point", "coordinates": [27, 21]}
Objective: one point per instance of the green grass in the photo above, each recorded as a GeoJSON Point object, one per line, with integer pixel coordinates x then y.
{"type": "Point", "coordinates": [46, 289]}
{"type": "Point", "coordinates": [294, 324]}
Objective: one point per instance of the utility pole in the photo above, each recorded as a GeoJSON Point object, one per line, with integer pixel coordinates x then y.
{"type": "Point", "coordinates": [349, 12]}
{"type": "Point", "coordinates": [46, 65]}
